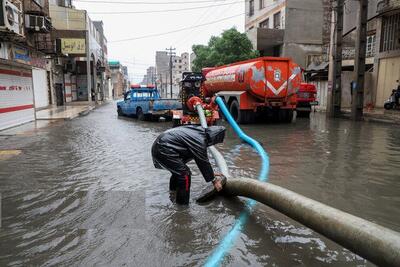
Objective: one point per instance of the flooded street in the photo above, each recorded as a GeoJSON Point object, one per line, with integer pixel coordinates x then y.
{"type": "Point", "coordinates": [85, 192]}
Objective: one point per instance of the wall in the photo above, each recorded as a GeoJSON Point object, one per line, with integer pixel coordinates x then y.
{"type": "Point", "coordinates": [304, 31]}
{"type": "Point", "coordinates": [271, 7]}
{"type": "Point", "coordinates": [64, 18]}
{"type": "Point", "coordinates": [350, 14]}
{"type": "Point", "coordinates": [389, 72]}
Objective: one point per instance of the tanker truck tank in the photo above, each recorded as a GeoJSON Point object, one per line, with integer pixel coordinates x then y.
{"type": "Point", "coordinates": [261, 87]}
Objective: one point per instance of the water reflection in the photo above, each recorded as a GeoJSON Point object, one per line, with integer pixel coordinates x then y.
{"type": "Point", "coordinates": [85, 193]}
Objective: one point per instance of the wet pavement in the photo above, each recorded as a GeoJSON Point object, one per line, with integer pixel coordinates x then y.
{"type": "Point", "coordinates": [84, 192]}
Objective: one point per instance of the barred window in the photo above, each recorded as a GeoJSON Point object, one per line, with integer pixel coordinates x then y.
{"type": "Point", "coordinates": [390, 33]}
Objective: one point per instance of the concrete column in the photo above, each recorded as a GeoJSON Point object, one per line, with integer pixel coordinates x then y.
{"type": "Point", "coordinates": [359, 64]}
{"type": "Point", "coordinates": [375, 73]}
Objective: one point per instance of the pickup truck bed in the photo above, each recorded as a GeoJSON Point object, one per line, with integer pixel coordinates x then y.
{"type": "Point", "coordinates": [146, 104]}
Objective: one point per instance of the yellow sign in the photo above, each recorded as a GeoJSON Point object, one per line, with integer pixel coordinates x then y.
{"type": "Point", "coordinates": [73, 46]}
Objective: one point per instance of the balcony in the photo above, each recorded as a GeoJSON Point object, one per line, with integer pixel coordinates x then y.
{"type": "Point", "coordinates": [264, 39]}
{"type": "Point", "coordinates": [64, 18]}
{"type": "Point", "coordinates": [384, 6]}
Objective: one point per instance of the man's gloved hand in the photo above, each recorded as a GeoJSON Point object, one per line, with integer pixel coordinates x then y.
{"type": "Point", "coordinates": [218, 181]}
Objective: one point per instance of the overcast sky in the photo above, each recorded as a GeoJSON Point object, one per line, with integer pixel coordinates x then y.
{"type": "Point", "coordinates": [140, 53]}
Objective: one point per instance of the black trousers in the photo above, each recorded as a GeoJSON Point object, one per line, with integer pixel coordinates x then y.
{"type": "Point", "coordinates": [181, 176]}
{"type": "Point", "coordinates": [181, 184]}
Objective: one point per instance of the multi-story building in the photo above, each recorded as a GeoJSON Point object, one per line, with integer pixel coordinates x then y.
{"type": "Point", "coordinates": [180, 64]}
{"type": "Point", "coordinates": [119, 79]}
{"type": "Point", "coordinates": [382, 54]}
{"type": "Point", "coordinates": [150, 76]}
{"type": "Point", "coordinates": [81, 62]}
{"type": "Point", "coordinates": [288, 28]}
{"type": "Point", "coordinates": [25, 75]}
{"type": "Point", "coordinates": [387, 50]}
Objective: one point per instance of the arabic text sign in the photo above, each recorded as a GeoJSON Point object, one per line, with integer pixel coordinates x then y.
{"type": "Point", "coordinates": [73, 46]}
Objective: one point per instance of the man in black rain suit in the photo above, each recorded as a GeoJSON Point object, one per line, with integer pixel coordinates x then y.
{"type": "Point", "coordinates": [176, 147]}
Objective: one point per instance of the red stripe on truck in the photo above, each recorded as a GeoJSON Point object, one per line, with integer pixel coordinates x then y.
{"type": "Point", "coordinates": [16, 108]}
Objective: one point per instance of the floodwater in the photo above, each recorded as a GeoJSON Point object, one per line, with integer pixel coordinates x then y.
{"type": "Point", "coordinates": [85, 192]}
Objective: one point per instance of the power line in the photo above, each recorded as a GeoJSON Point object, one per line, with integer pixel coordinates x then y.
{"type": "Point", "coordinates": [148, 3]}
{"type": "Point", "coordinates": [163, 11]}
{"type": "Point", "coordinates": [179, 30]}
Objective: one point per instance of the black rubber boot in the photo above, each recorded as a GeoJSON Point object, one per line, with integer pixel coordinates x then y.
{"type": "Point", "coordinates": [173, 182]}
{"type": "Point", "coordinates": [183, 191]}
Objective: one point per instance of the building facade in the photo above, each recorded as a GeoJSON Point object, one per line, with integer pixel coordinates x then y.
{"type": "Point", "coordinates": [119, 80]}
{"type": "Point", "coordinates": [387, 50]}
{"type": "Point", "coordinates": [150, 76]}
{"type": "Point", "coordinates": [296, 28]}
{"type": "Point", "coordinates": [382, 55]}
{"type": "Point", "coordinates": [25, 71]}
{"type": "Point", "coordinates": [80, 65]}
{"type": "Point", "coordinates": [180, 64]}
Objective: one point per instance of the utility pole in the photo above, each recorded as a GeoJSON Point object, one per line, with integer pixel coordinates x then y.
{"type": "Point", "coordinates": [166, 85]}
{"type": "Point", "coordinates": [88, 57]}
{"type": "Point", "coordinates": [170, 65]}
{"type": "Point", "coordinates": [335, 69]}
{"type": "Point", "coordinates": [357, 104]}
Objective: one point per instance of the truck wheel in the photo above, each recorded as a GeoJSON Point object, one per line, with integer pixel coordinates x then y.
{"type": "Point", "coordinates": [303, 114]}
{"type": "Point", "coordinates": [140, 114]}
{"type": "Point", "coordinates": [285, 115]}
{"type": "Point", "coordinates": [241, 116]}
{"type": "Point", "coordinates": [119, 111]}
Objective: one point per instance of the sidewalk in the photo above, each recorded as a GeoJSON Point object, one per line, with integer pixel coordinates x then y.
{"type": "Point", "coordinates": [67, 112]}
{"type": "Point", "coordinates": [50, 116]}
{"type": "Point", "coordinates": [378, 115]}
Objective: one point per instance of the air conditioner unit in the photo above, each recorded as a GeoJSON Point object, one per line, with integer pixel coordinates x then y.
{"type": "Point", "coordinates": [11, 17]}
{"type": "Point", "coordinates": [37, 23]}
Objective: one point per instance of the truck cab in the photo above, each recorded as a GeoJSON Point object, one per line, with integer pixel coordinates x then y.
{"type": "Point", "coordinates": [145, 103]}
{"type": "Point", "coordinates": [306, 98]}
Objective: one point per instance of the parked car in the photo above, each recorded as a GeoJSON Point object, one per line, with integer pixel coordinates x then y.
{"type": "Point", "coordinates": [145, 103]}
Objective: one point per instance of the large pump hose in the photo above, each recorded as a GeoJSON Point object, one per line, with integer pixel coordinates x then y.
{"type": "Point", "coordinates": [375, 243]}
{"type": "Point", "coordinates": [227, 242]}
{"type": "Point", "coordinates": [371, 241]}
{"type": "Point", "coordinates": [219, 159]}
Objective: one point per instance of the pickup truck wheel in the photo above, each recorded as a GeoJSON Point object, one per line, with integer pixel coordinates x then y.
{"type": "Point", "coordinates": [140, 114]}
{"type": "Point", "coordinates": [119, 111]}
{"type": "Point", "coordinates": [176, 123]}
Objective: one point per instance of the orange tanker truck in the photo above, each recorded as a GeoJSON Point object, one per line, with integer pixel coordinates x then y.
{"type": "Point", "coordinates": [260, 87]}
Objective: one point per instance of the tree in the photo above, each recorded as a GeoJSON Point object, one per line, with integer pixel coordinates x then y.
{"type": "Point", "coordinates": [231, 47]}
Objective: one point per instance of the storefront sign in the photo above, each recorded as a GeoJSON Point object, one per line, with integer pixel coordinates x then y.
{"type": "Point", "coordinates": [73, 46]}
{"type": "Point", "coordinates": [21, 55]}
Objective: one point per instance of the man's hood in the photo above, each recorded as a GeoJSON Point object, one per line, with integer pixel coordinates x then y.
{"type": "Point", "coordinates": [215, 135]}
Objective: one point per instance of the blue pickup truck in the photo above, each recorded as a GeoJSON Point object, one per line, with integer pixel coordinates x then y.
{"type": "Point", "coordinates": [145, 103]}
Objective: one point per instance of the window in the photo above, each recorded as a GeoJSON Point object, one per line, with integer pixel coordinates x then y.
{"type": "Point", "coordinates": [264, 24]}
{"type": "Point", "coordinates": [128, 97]}
{"type": "Point", "coordinates": [277, 20]}
{"type": "Point", "coordinates": [251, 8]}
{"type": "Point", "coordinates": [390, 39]}
{"type": "Point", "coordinates": [370, 46]}
{"type": "Point", "coordinates": [262, 5]}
